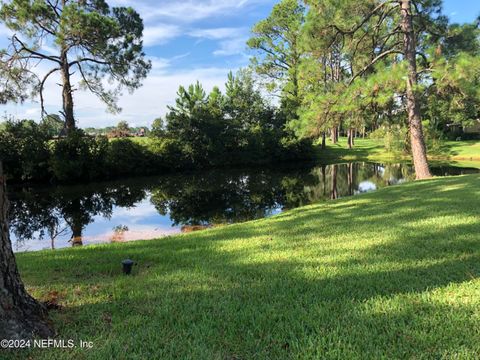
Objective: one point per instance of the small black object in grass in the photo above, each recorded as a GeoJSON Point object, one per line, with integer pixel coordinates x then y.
{"type": "Point", "coordinates": [127, 266]}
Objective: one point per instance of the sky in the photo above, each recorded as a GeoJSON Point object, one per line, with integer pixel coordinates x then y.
{"type": "Point", "coordinates": [186, 40]}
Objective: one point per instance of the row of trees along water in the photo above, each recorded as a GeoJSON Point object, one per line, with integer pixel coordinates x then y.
{"type": "Point", "coordinates": [201, 130]}
{"type": "Point", "coordinates": [336, 68]}
{"type": "Point", "coordinates": [362, 65]}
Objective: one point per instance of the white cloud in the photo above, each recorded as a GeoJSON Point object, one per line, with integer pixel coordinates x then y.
{"type": "Point", "coordinates": [231, 47]}
{"type": "Point", "coordinates": [218, 33]}
{"type": "Point", "coordinates": [233, 40]}
{"type": "Point", "coordinates": [32, 111]}
{"type": "Point", "coordinates": [187, 11]}
{"type": "Point", "coordinates": [139, 108]}
{"type": "Point", "coordinates": [164, 21]}
{"type": "Point", "coordinates": [159, 34]}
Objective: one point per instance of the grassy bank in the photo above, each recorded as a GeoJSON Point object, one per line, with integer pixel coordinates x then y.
{"type": "Point", "coordinates": [373, 150]}
{"type": "Point", "coordinates": [390, 274]}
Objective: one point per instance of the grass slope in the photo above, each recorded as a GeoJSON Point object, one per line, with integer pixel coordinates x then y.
{"type": "Point", "coordinates": [390, 274]}
{"type": "Point", "coordinates": [369, 149]}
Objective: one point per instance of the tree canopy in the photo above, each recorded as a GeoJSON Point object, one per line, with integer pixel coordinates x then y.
{"type": "Point", "coordinates": [91, 39]}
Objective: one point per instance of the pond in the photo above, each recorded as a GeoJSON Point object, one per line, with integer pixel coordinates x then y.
{"type": "Point", "coordinates": [148, 208]}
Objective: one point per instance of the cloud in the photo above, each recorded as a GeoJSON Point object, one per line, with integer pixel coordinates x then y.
{"type": "Point", "coordinates": [232, 42]}
{"type": "Point", "coordinates": [186, 21]}
{"type": "Point", "coordinates": [218, 33]}
{"type": "Point", "coordinates": [231, 47]}
{"type": "Point", "coordinates": [32, 111]}
{"type": "Point", "coordinates": [160, 34]}
{"type": "Point", "coordinates": [139, 108]}
{"type": "Point", "coordinates": [188, 11]}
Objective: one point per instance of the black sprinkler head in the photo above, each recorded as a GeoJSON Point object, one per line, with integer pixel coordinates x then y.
{"type": "Point", "coordinates": [127, 266]}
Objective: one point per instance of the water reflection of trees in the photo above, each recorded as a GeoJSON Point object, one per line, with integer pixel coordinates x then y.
{"type": "Point", "coordinates": [226, 197]}
{"type": "Point", "coordinates": [55, 211]}
{"type": "Point", "coordinates": [213, 197]}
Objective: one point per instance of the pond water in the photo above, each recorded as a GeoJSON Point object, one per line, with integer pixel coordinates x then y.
{"type": "Point", "coordinates": [147, 208]}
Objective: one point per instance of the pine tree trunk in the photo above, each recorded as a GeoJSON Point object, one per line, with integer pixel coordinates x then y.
{"type": "Point", "coordinates": [419, 152]}
{"type": "Point", "coordinates": [21, 316]}
{"type": "Point", "coordinates": [334, 135]}
{"type": "Point", "coordinates": [324, 179]}
{"type": "Point", "coordinates": [334, 193]}
{"type": "Point", "coordinates": [67, 96]}
{"type": "Point", "coordinates": [350, 141]}
{"type": "Point", "coordinates": [350, 178]}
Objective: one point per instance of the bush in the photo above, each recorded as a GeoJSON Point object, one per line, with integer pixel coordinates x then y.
{"type": "Point", "coordinates": [394, 137]}
{"type": "Point", "coordinates": [167, 153]}
{"type": "Point", "coordinates": [24, 150]}
{"type": "Point", "coordinates": [126, 157]}
{"type": "Point", "coordinates": [433, 138]}
{"type": "Point", "coordinates": [79, 157]}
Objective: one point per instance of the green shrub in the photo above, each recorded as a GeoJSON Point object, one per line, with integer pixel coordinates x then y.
{"type": "Point", "coordinates": [394, 138]}
{"type": "Point", "coordinates": [78, 157]}
{"type": "Point", "coordinates": [167, 153]}
{"type": "Point", "coordinates": [125, 157]}
{"type": "Point", "coordinates": [24, 150]}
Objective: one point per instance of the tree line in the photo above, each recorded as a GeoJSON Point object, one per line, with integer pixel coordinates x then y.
{"type": "Point", "coordinates": [363, 65]}
{"type": "Point", "coordinates": [201, 130]}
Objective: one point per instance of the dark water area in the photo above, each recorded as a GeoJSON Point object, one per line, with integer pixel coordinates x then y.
{"type": "Point", "coordinates": [148, 208]}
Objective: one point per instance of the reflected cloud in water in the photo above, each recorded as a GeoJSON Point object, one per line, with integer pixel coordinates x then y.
{"type": "Point", "coordinates": [149, 208]}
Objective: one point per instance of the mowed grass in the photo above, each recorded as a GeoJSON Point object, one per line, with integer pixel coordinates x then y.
{"type": "Point", "coordinates": [461, 150]}
{"type": "Point", "coordinates": [392, 274]}
{"type": "Point", "coordinates": [374, 150]}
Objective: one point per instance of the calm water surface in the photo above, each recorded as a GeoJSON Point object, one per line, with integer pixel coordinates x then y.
{"type": "Point", "coordinates": [147, 208]}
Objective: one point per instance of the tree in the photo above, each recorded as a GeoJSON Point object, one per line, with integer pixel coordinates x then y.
{"type": "Point", "coordinates": [378, 32]}
{"type": "Point", "coordinates": [21, 316]}
{"type": "Point", "coordinates": [419, 151]}
{"type": "Point", "coordinates": [24, 150]}
{"type": "Point", "coordinates": [277, 41]}
{"type": "Point", "coordinates": [123, 129]}
{"type": "Point", "coordinates": [158, 128]}
{"type": "Point", "coordinates": [90, 39]}
{"type": "Point", "coordinates": [252, 130]}
{"type": "Point", "coordinates": [52, 125]}
{"type": "Point", "coordinates": [194, 125]}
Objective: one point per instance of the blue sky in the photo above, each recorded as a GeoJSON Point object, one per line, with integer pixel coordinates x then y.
{"type": "Point", "coordinates": [186, 40]}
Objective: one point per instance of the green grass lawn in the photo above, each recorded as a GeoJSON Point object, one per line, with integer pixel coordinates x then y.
{"type": "Point", "coordinates": [369, 149]}
{"type": "Point", "coordinates": [460, 150]}
{"type": "Point", "coordinates": [392, 274]}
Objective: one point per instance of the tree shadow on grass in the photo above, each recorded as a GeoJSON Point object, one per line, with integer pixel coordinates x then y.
{"type": "Point", "coordinates": [377, 276]}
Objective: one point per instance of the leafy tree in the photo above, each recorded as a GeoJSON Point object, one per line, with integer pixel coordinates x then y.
{"type": "Point", "coordinates": [90, 38]}
{"type": "Point", "coordinates": [462, 38]}
{"type": "Point", "coordinates": [52, 125]}
{"type": "Point", "coordinates": [453, 97]}
{"type": "Point", "coordinates": [276, 39]}
{"type": "Point", "coordinates": [122, 129]}
{"type": "Point", "coordinates": [123, 126]}
{"type": "Point", "coordinates": [158, 128]}
{"type": "Point", "coordinates": [367, 34]}
{"type": "Point", "coordinates": [252, 129]}
{"type": "Point", "coordinates": [195, 123]}
{"type": "Point", "coordinates": [24, 150]}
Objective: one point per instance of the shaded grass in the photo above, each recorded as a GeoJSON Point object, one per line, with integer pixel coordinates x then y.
{"type": "Point", "coordinates": [390, 274]}
{"type": "Point", "coordinates": [373, 150]}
